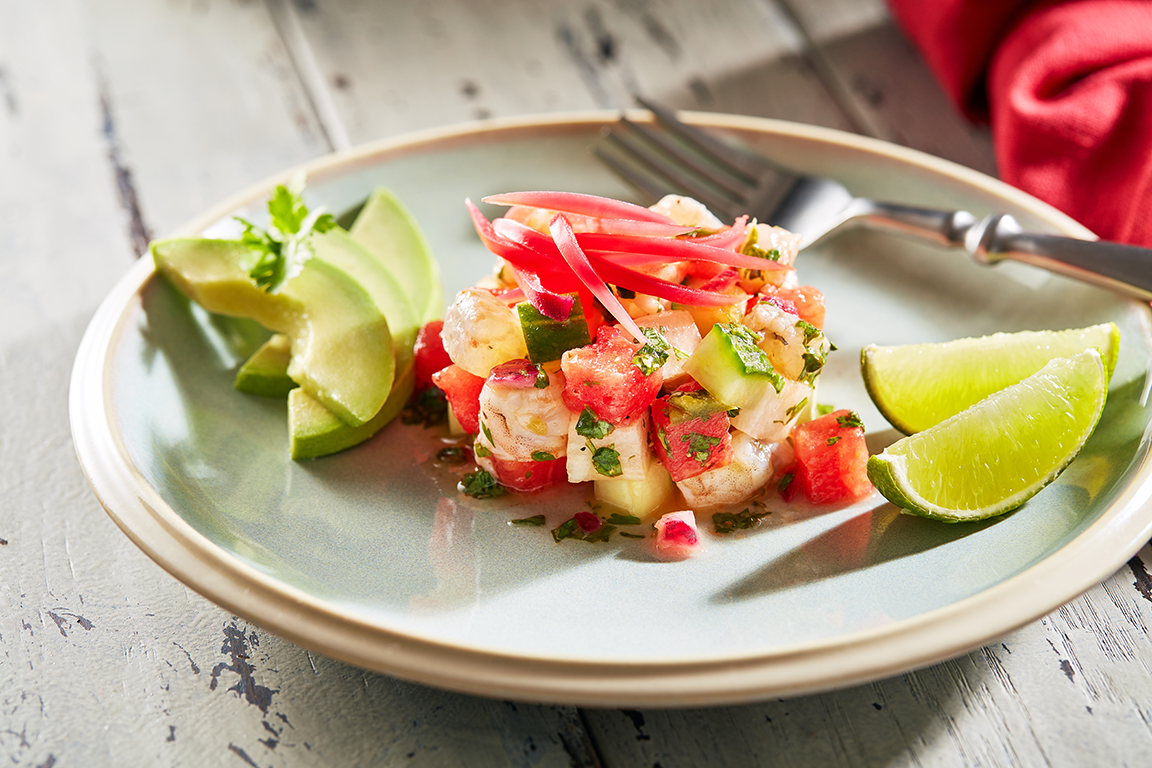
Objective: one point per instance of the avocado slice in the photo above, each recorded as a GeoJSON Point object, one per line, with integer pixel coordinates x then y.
{"type": "Point", "coordinates": [341, 346]}
{"type": "Point", "coordinates": [387, 229]}
{"type": "Point", "coordinates": [337, 247]}
{"type": "Point", "coordinates": [266, 372]}
{"type": "Point", "coordinates": [317, 432]}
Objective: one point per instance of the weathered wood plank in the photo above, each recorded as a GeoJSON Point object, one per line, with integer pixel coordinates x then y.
{"type": "Point", "coordinates": [883, 84]}
{"type": "Point", "coordinates": [475, 60]}
{"type": "Point", "coordinates": [105, 659]}
{"type": "Point", "coordinates": [1045, 695]}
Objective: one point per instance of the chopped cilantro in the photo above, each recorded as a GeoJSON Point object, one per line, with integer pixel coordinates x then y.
{"type": "Point", "coordinates": [569, 529]}
{"type": "Point", "coordinates": [628, 535]}
{"type": "Point", "coordinates": [284, 247]}
{"type": "Point", "coordinates": [487, 432]}
{"type": "Point", "coordinates": [653, 354]}
{"type": "Point", "coordinates": [663, 437]}
{"type": "Point", "coordinates": [834, 439]}
{"type": "Point", "coordinates": [810, 331]}
{"type": "Point", "coordinates": [541, 378]}
{"type": "Point", "coordinates": [849, 421]}
{"type": "Point", "coordinates": [542, 456]}
{"type": "Point", "coordinates": [600, 534]}
{"type": "Point", "coordinates": [429, 407]}
{"type": "Point", "coordinates": [606, 460]}
{"type": "Point", "coordinates": [481, 450]}
{"type": "Point", "coordinates": [795, 409]}
{"type": "Point", "coordinates": [481, 485]}
{"type": "Point", "coordinates": [785, 481]}
{"type": "Point", "coordinates": [730, 522]}
{"type": "Point", "coordinates": [700, 446]}
{"type": "Point", "coordinates": [534, 520]}
{"type": "Point", "coordinates": [588, 425]}
{"type": "Point", "coordinates": [813, 364]}
{"type": "Point", "coordinates": [618, 519]}
{"type": "Point", "coordinates": [452, 455]}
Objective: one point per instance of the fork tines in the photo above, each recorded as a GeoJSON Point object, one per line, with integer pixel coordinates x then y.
{"type": "Point", "coordinates": [686, 160]}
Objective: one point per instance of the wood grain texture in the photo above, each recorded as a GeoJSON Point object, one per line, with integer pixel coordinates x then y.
{"type": "Point", "coordinates": [121, 119]}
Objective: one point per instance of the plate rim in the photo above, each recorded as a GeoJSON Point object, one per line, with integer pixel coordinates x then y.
{"type": "Point", "coordinates": [942, 633]}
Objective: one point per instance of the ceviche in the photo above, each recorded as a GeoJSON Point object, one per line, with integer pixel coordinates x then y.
{"type": "Point", "coordinates": [663, 356]}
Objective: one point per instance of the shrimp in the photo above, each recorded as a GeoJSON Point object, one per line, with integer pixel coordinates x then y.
{"type": "Point", "coordinates": [481, 331]}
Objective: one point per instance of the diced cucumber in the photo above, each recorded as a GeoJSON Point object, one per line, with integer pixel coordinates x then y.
{"type": "Point", "coordinates": [548, 339]}
{"type": "Point", "coordinates": [266, 372]}
{"type": "Point", "coordinates": [732, 368]}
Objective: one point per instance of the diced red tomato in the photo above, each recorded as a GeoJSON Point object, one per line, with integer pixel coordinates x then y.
{"type": "Point", "coordinates": [687, 444]}
{"type": "Point", "coordinates": [602, 376]}
{"type": "Point", "coordinates": [527, 476]}
{"type": "Point", "coordinates": [463, 392]}
{"type": "Point", "coordinates": [429, 354]}
{"type": "Point", "coordinates": [809, 303]}
{"type": "Point", "coordinates": [831, 459]}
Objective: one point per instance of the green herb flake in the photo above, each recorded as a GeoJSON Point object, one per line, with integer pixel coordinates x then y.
{"type": "Point", "coordinates": [569, 529]}
{"type": "Point", "coordinates": [542, 456]}
{"type": "Point", "coordinates": [601, 534]}
{"type": "Point", "coordinates": [481, 485]}
{"type": "Point", "coordinates": [618, 519]}
{"type": "Point", "coordinates": [429, 407]}
{"type": "Point", "coordinates": [487, 432]}
{"type": "Point", "coordinates": [729, 522]}
{"type": "Point", "coordinates": [810, 331]}
{"type": "Point", "coordinates": [628, 535]}
{"type": "Point", "coordinates": [606, 461]}
{"type": "Point", "coordinates": [700, 446]}
{"type": "Point", "coordinates": [833, 440]}
{"type": "Point", "coordinates": [535, 520]}
{"type": "Point", "coordinates": [588, 425]}
{"type": "Point", "coordinates": [795, 409]}
{"type": "Point", "coordinates": [481, 450]}
{"type": "Point", "coordinates": [785, 481]}
{"type": "Point", "coordinates": [542, 381]}
{"type": "Point", "coordinates": [452, 455]}
{"type": "Point", "coordinates": [849, 421]}
{"type": "Point", "coordinates": [284, 248]}
{"type": "Point", "coordinates": [653, 354]}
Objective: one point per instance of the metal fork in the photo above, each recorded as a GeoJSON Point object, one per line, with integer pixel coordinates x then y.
{"type": "Point", "coordinates": [685, 159]}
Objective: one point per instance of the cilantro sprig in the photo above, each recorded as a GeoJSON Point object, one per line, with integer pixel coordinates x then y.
{"type": "Point", "coordinates": [284, 248]}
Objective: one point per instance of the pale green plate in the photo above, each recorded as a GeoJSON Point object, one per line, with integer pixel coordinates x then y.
{"type": "Point", "coordinates": [373, 557]}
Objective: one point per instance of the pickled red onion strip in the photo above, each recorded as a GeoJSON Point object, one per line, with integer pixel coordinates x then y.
{"type": "Point", "coordinates": [581, 204]}
{"type": "Point", "coordinates": [732, 237]}
{"type": "Point", "coordinates": [673, 249]}
{"type": "Point", "coordinates": [639, 228]}
{"type": "Point", "coordinates": [565, 240]}
{"type": "Point", "coordinates": [556, 306]}
{"type": "Point", "coordinates": [654, 286]}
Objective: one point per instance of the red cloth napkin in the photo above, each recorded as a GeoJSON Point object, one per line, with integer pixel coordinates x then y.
{"type": "Point", "coordinates": [1067, 87]}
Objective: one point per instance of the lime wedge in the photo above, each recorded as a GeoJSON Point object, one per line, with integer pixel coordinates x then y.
{"type": "Point", "coordinates": [996, 455]}
{"type": "Point", "coordinates": [917, 386]}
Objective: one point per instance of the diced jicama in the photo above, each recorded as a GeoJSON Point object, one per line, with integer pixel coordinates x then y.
{"type": "Point", "coordinates": [676, 535]}
{"type": "Point", "coordinates": [481, 331]}
{"type": "Point", "coordinates": [773, 415]}
{"type": "Point", "coordinates": [621, 453]}
{"type": "Point", "coordinates": [680, 331]}
{"type": "Point", "coordinates": [753, 464]}
{"type": "Point", "coordinates": [638, 497]}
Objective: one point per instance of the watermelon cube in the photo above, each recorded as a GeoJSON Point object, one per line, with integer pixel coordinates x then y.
{"type": "Point", "coordinates": [602, 376]}
{"type": "Point", "coordinates": [690, 432]}
{"type": "Point", "coordinates": [832, 459]}
{"type": "Point", "coordinates": [463, 392]}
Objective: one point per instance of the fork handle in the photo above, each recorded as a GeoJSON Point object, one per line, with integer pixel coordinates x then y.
{"type": "Point", "coordinates": [1118, 267]}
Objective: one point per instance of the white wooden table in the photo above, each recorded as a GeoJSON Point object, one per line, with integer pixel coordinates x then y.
{"type": "Point", "coordinates": [120, 119]}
